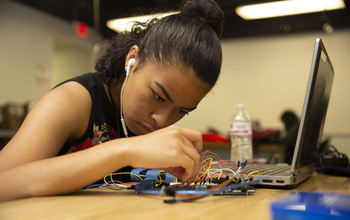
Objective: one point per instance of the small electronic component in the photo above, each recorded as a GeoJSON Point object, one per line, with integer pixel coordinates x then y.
{"type": "Point", "coordinates": [216, 177]}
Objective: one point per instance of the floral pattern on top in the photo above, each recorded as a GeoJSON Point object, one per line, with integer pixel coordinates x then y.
{"type": "Point", "coordinates": [101, 134]}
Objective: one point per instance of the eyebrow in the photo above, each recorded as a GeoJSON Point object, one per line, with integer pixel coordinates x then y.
{"type": "Point", "coordinates": [166, 94]}
{"type": "Point", "coordinates": [164, 91]}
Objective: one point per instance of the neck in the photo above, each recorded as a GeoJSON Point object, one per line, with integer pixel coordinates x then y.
{"type": "Point", "coordinates": [113, 93]}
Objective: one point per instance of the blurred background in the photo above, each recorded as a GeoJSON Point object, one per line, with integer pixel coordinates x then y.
{"type": "Point", "coordinates": [266, 63]}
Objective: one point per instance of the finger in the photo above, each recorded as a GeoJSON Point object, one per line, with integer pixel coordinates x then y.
{"type": "Point", "coordinates": [178, 172]}
{"type": "Point", "coordinates": [192, 154]}
{"type": "Point", "coordinates": [194, 136]}
{"type": "Point", "coordinates": [184, 168]}
{"type": "Point", "coordinates": [191, 167]}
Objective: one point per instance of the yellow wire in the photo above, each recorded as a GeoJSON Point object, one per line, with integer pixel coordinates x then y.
{"type": "Point", "coordinates": [160, 178]}
{"type": "Point", "coordinates": [104, 179]}
{"type": "Point", "coordinates": [253, 172]}
{"type": "Point", "coordinates": [204, 164]}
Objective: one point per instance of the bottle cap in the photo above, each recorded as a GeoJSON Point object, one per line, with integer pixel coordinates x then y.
{"type": "Point", "coordinates": [240, 105]}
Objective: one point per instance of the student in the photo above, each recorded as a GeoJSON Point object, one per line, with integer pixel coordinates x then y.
{"type": "Point", "coordinates": [74, 134]}
{"type": "Point", "coordinates": [291, 126]}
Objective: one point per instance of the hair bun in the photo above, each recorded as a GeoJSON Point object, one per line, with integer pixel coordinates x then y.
{"type": "Point", "coordinates": [206, 10]}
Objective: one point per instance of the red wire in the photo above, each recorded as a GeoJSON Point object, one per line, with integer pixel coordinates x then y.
{"type": "Point", "coordinates": [114, 181]}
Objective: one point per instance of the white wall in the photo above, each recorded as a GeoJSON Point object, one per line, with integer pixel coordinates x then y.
{"type": "Point", "coordinates": [70, 60]}
{"type": "Point", "coordinates": [29, 40]}
{"type": "Point", "coordinates": [269, 74]}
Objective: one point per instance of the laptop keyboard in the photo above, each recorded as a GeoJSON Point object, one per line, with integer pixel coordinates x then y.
{"type": "Point", "coordinates": [268, 169]}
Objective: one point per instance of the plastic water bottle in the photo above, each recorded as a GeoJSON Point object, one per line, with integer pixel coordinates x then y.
{"type": "Point", "coordinates": [241, 135]}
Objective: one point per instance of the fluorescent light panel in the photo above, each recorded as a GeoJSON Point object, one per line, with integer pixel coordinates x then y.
{"type": "Point", "coordinates": [285, 8]}
{"type": "Point", "coordinates": [125, 24]}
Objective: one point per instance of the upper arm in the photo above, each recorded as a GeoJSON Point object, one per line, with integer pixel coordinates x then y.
{"type": "Point", "coordinates": [60, 115]}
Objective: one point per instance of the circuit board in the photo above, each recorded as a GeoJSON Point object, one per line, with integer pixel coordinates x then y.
{"type": "Point", "coordinates": [216, 177]}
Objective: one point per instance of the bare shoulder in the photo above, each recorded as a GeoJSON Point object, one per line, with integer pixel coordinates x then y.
{"type": "Point", "coordinates": [66, 105]}
{"type": "Point", "coordinates": [60, 115]}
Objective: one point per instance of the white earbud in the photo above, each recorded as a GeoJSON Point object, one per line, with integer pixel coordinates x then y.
{"type": "Point", "coordinates": [127, 69]}
{"type": "Point", "coordinates": [130, 63]}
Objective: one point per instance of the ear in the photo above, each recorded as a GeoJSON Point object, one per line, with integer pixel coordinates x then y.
{"type": "Point", "coordinates": [133, 53]}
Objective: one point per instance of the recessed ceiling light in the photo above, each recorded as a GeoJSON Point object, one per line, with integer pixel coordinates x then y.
{"type": "Point", "coordinates": [288, 7]}
{"type": "Point", "coordinates": [125, 24]}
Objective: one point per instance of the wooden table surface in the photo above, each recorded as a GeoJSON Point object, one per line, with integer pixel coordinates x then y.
{"type": "Point", "coordinates": [104, 203]}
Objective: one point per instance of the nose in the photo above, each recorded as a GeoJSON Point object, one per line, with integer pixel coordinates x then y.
{"type": "Point", "coordinates": [162, 117]}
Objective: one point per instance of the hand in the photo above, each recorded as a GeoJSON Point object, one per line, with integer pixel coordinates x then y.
{"type": "Point", "coordinates": [174, 149]}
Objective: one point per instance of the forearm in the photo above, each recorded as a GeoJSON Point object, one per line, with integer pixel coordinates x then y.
{"type": "Point", "coordinates": [64, 174]}
{"type": "Point", "coordinates": [172, 148]}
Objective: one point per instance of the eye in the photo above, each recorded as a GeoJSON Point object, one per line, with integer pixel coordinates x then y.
{"type": "Point", "coordinates": [182, 112]}
{"type": "Point", "coordinates": [157, 97]}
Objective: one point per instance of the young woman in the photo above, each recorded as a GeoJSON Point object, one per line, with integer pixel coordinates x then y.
{"type": "Point", "coordinates": [148, 79]}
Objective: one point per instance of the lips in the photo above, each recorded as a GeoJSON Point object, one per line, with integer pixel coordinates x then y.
{"type": "Point", "coordinates": [145, 129]}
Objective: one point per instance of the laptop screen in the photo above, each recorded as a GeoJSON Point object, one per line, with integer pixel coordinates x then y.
{"type": "Point", "coordinates": [314, 110]}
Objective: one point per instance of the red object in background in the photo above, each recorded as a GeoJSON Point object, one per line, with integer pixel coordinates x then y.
{"type": "Point", "coordinates": [263, 134]}
{"type": "Point", "coordinates": [81, 29]}
{"type": "Point", "coordinates": [212, 137]}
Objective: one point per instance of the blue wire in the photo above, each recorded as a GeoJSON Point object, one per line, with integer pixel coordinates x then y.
{"type": "Point", "coordinates": [196, 192]}
{"type": "Point", "coordinates": [104, 185]}
{"type": "Point", "coordinates": [114, 183]}
{"type": "Point", "coordinates": [207, 192]}
{"type": "Point", "coordinates": [94, 185]}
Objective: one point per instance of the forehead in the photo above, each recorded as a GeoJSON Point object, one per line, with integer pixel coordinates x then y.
{"type": "Point", "coordinates": [181, 83]}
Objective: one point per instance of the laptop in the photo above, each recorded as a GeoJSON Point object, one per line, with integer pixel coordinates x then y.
{"type": "Point", "coordinates": [310, 129]}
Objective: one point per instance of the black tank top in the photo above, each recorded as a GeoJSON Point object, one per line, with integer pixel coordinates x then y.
{"type": "Point", "coordinates": [104, 123]}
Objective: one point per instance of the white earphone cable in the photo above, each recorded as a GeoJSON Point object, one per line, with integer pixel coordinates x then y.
{"type": "Point", "coordinates": [131, 62]}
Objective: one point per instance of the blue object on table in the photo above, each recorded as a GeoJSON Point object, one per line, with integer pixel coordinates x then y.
{"type": "Point", "coordinates": [150, 174]}
{"type": "Point", "coordinates": [311, 205]}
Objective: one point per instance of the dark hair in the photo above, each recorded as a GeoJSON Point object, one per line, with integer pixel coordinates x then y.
{"type": "Point", "coordinates": [191, 37]}
{"type": "Point", "coordinates": [289, 118]}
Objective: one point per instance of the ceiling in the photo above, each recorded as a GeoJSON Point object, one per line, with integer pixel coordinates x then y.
{"type": "Point", "coordinates": [234, 26]}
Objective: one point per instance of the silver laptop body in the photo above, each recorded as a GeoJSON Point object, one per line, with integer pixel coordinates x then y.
{"type": "Point", "coordinates": [310, 128]}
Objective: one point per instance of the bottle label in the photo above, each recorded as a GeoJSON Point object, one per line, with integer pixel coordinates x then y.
{"type": "Point", "coordinates": [241, 128]}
